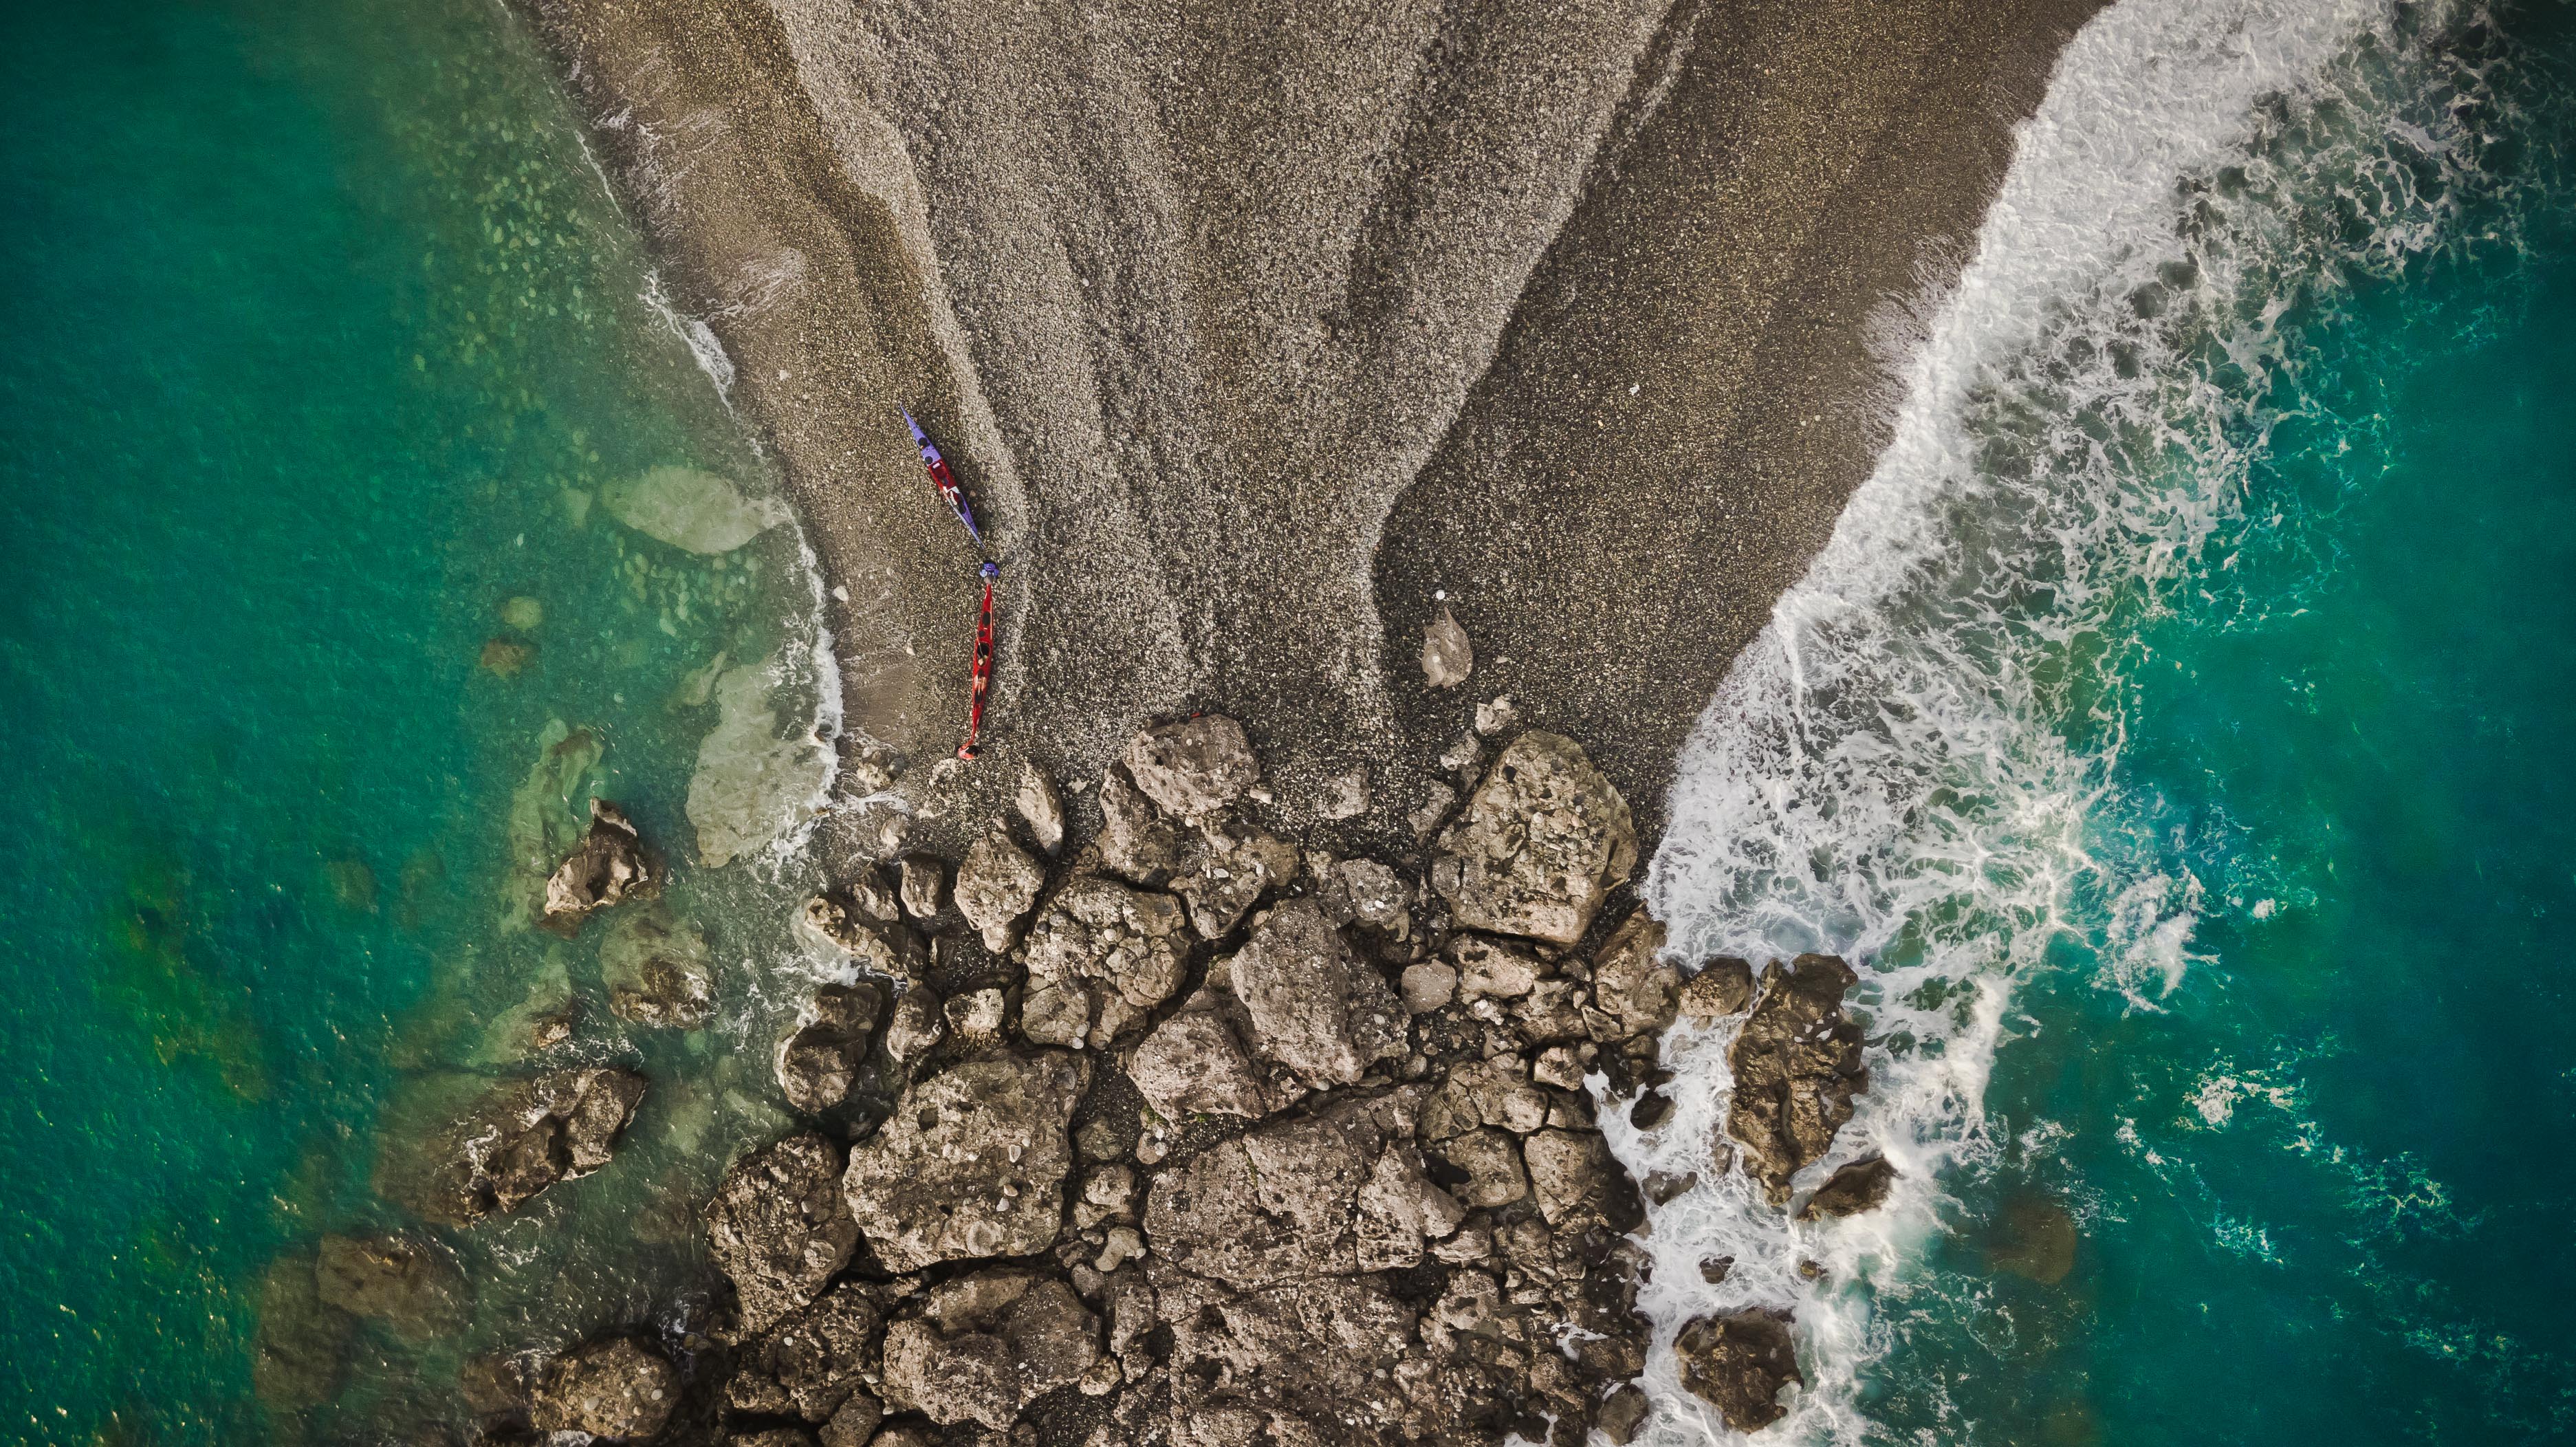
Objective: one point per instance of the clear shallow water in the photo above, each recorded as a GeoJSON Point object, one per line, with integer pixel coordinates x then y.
{"type": "Point", "coordinates": [323, 345]}
{"type": "Point", "coordinates": [2179, 728]}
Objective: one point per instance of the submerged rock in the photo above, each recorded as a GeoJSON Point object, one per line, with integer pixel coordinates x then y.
{"type": "Point", "coordinates": [1193, 767]}
{"type": "Point", "coordinates": [411, 1285]}
{"type": "Point", "coordinates": [971, 1163]}
{"type": "Point", "coordinates": [779, 1226]}
{"type": "Point", "coordinates": [542, 826]}
{"type": "Point", "coordinates": [987, 1345]}
{"type": "Point", "coordinates": [657, 969]}
{"type": "Point", "coordinates": [618, 1388]}
{"type": "Point", "coordinates": [689, 509]}
{"type": "Point", "coordinates": [1797, 1066]}
{"type": "Point", "coordinates": [606, 868]}
{"type": "Point", "coordinates": [300, 1354]}
{"type": "Point", "coordinates": [1543, 840]}
{"type": "Point", "coordinates": [1738, 1364]}
{"type": "Point", "coordinates": [756, 778]}
{"type": "Point", "coordinates": [524, 1137]}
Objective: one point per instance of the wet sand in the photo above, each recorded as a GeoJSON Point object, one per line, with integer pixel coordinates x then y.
{"type": "Point", "coordinates": [1254, 329]}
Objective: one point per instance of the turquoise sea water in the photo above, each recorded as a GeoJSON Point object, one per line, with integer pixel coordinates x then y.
{"type": "Point", "coordinates": [2201, 806]}
{"type": "Point", "coordinates": [322, 348]}
{"type": "Point", "coordinates": [2200, 795]}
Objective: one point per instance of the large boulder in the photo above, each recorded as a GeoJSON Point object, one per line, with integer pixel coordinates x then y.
{"type": "Point", "coordinates": [814, 1362]}
{"type": "Point", "coordinates": [618, 1388]}
{"type": "Point", "coordinates": [411, 1285]}
{"type": "Point", "coordinates": [876, 941]}
{"type": "Point", "coordinates": [1194, 766]}
{"type": "Point", "coordinates": [1228, 865]}
{"type": "Point", "coordinates": [1303, 1198]}
{"type": "Point", "coordinates": [1197, 1063]}
{"type": "Point", "coordinates": [1040, 807]}
{"type": "Point", "coordinates": [1859, 1186]}
{"type": "Point", "coordinates": [1100, 956]}
{"type": "Point", "coordinates": [1631, 983]}
{"type": "Point", "coordinates": [656, 967]}
{"type": "Point", "coordinates": [1137, 842]}
{"type": "Point", "coordinates": [971, 1163]}
{"type": "Point", "coordinates": [987, 1345]}
{"type": "Point", "coordinates": [1797, 1066]}
{"type": "Point", "coordinates": [1315, 1007]}
{"type": "Point", "coordinates": [1578, 1184]}
{"type": "Point", "coordinates": [1738, 1364]}
{"type": "Point", "coordinates": [1543, 840]}
{"type": "Point", "coordinates": [524, 1137]}
{"type": "Point", "coordinates": [823, 1057]}
{"type": "Point", "coordinates": [607, 866]}
{"type": "Point", "coordinates": [780, 1226]}
{"type": "Point", "coordinates": [995, 887]}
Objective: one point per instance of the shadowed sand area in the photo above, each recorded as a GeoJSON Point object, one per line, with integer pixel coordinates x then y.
{"type": "Point", "coordinates": [1252, 326]}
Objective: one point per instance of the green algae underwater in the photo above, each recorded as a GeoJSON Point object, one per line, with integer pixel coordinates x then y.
{"type": "Point", "coordinates": [333, 380]}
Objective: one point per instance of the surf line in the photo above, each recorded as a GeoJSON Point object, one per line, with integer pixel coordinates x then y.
{"type": "Point", "coordinates": [979, 682]}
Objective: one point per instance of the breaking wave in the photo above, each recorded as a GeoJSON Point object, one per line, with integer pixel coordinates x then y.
{"type": "Point", "coordinates": [1913, 766]}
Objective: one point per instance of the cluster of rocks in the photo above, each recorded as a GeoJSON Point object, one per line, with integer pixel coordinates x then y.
{"type": "Point", "coordinates": [1200, 1136]}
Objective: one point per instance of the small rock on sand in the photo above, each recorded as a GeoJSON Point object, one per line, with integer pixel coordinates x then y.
{"type": "Point", "coordinates": [1447, 657]}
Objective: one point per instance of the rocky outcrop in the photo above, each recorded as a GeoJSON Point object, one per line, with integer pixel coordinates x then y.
{"type": "Point", "coordinates": [1100, 956]}
{"type": "Point", "coordinates": [971, 1163]}
{"type": "Point", "coordinates": [1543, 840]}
{"type": "Point", "coordinates": [1797, 1065]}
{"type": "Point", "coordinates": [1301, 1208]}
{"type": "Point", "coordinates": [827, 1053]}
{"type": "Point", "coordinates": [996, 885]}
{"type": "Point", "coordinates": [526, 1136]}
{"type": "Point", "coordinates": [607, 866]}
{"type": "Point", "coordinates": [1739, 1363]}
{"type": "Point", "coordinates": [780, 1226]}
{"type": "Point", "coordinates": [618, 1388]}
{"type": "Point", "coordinates": [409, 1284]}
{"type": "Point", "coordinates": [986, 1345]}
{"type": "Point", "coordinates": [656, 967]}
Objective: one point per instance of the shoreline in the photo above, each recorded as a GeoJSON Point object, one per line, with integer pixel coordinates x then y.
{"type": "Point", "coordinates": [1243, 373]}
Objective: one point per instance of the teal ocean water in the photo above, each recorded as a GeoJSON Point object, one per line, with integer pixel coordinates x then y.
{"type": "Point", "coordinates": [330, 381]}
{"type": "Point", "coordinates": [2179, 728]}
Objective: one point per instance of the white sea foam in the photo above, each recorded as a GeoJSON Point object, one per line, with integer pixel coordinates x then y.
{"type": "Point", "coordinates": [1888, 772]}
